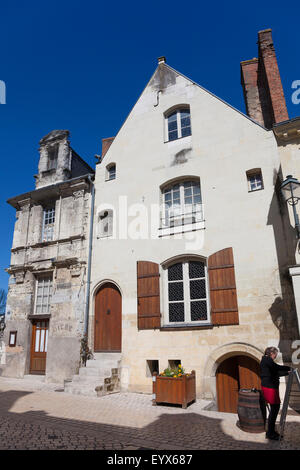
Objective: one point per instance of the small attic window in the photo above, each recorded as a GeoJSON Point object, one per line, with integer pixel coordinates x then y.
{"type": "Point", "coordinates": [178, 123]}
{"type": "Point", "coordinates": [52, 156]}
{"type": "Point", "coordinates": [254, 178]}
{"type": "Point", "coordinates": [111, 172]}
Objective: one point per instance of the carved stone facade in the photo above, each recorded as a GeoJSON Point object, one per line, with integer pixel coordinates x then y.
{"type": "Point", "coordinates": [47, 284]}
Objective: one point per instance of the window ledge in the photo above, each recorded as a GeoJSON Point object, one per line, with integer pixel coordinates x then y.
{"type": "Point", "coordinates": [187, 327]}
{"type": "Point", "coordinates": [39, 316]}
{"type": "Point", "coordinates": [178, 138]}
{"type": "Point", "coordinates": [255, 190]}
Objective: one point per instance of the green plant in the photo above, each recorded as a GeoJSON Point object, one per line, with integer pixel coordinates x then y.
{"type": "Point", "coordinates": [173, 372]}
{"type": "Point", "coordinates": [85, 352]}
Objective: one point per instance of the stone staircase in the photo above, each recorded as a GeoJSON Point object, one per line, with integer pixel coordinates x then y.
{"type": "Point", "coordinates": [101, 376]}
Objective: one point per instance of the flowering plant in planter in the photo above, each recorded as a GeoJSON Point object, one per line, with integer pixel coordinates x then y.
{"type": "Point", "coordinates": [173, 372]}
{"type": "Point", "coordinates": [180, 391]}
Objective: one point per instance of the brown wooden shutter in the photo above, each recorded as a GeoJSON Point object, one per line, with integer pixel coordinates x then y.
{"type": "Point", "coordinates": [148, 295]}
{"type": "Point", "coordinates": [223, 298]}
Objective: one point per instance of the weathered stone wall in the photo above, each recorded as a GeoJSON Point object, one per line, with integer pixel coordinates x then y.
{"type": "Point", "coordinates": [62, 172]}
{"type": "Point", "coordinates": [64, 258]}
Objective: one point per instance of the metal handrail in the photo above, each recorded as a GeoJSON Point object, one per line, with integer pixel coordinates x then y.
{"type": "Point", "coordinates": [165, 221]}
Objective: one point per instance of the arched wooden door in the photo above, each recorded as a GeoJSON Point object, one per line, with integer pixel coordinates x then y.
{"type": "Point", "coordinates": [233, 374]}
{"type": "Point", "coordinates": [108, 319]}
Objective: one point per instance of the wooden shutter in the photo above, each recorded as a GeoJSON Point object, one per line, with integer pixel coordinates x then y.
{"type": "Point", "coordinates": [148, 295]}
{"type": "Point", "coordinates": [223, 298]}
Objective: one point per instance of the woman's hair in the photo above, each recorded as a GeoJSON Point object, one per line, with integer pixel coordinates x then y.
{"type": "Point", "coordinates": [270, 350]}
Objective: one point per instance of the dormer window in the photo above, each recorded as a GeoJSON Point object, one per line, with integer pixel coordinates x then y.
{"type": "Point", "coordinates": [178, 123]}
{"type": "Point", "coordinates": [52, 156]}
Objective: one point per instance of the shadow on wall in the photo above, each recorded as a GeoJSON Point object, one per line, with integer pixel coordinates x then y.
{"type": "Point", "coordinates": [283, 310]}
{"type": "Point", "coordinates": [186, 430]}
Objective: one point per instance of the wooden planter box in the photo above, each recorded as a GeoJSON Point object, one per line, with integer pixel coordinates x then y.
{"type": "Point", "coordinates": [177, 391]}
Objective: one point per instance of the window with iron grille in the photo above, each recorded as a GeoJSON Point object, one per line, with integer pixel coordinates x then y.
{"type": "Point", "coordinates": [43, 294]}
{"type": "Point", "coordinates": [178, 124]}
{"type": "Point", "coordinates": [187, 293]}
{"type": "Point", "coordinates": [181, 204]}
{"type": "Point", "coordinates": [48, 224]}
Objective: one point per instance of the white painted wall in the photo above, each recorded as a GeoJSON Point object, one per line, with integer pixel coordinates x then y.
{"type": "Point", "coordinates": [224, 144]}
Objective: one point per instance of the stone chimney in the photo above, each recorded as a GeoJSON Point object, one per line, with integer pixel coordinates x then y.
{"type": "Point", "coordinates": [263, 92]}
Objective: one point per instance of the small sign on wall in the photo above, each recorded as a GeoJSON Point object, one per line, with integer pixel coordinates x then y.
{"type": "Point", "coordinates": [12, 339]}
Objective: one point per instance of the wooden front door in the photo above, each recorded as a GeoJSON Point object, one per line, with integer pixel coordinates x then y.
{"type": "Point", "coordinates": [108, 319]}
{"type": "Point", "coordinates": [233, 374]}
{"type": "Point", "coordinates": [39, 341]}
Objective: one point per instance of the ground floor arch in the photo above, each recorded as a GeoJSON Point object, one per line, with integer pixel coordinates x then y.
{"type": "Point", "coordinates": [228, 368]}
{"type": "Point", "coordinates": [233, 374]}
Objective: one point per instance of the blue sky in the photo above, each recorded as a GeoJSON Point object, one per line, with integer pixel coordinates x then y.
{"type": "Point", "coordinates": [81, 65]}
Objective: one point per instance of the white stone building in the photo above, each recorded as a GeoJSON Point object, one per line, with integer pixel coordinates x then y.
{"type": "Point", "coordinates": [203, 280]}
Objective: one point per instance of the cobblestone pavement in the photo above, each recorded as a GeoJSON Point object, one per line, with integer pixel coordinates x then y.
{"type": "Point", "coordinates": [35, 416]}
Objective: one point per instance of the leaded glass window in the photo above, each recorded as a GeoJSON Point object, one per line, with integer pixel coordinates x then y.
{"type": "Point", "coordinates": [187, 292]}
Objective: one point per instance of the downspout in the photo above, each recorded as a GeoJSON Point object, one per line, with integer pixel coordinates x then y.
{"type": "Point", "coordinates": [88, 281]}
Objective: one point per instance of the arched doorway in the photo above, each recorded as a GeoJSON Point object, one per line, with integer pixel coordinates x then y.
{"type": "Point", "coordinates": [233, 374]}
{"type": "Point", "coordinates": [108, 319]}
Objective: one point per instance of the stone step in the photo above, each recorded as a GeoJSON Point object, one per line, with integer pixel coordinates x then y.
{"type": "Point", "coordinates": [102, 372]}
{"type": "Point", "coordinates": [34, 377]}
{"type": "Point", "coordinates": [80, 389]}
{"type": "Point", "coordinates": [107, 356]}
{"type": "Point", "coordinates": [94, 372]}
{"type": "Point", "coordinates": [88, 379]}
{"type": "Point", "coordinates": [99, 363]}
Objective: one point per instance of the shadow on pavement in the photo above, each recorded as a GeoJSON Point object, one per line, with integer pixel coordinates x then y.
{"type": "Point", "coordinates": [188, 430]}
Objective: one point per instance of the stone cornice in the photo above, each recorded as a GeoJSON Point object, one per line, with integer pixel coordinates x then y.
{"type": "Point", "coordinates": [45, 265]}
{"type": "Point", "coordinates": [49, 243]}
{"type": "Point", "coordinates": [287, 131]}
{"type": "Point", "coordinates": [53, 191]}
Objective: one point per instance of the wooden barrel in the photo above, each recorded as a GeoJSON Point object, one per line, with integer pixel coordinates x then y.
{"type": "Point", "coordinates": [251, 410]}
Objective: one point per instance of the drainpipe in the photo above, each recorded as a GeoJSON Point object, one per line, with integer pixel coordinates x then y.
{"type": "Point", "coordinates": [88, 281]}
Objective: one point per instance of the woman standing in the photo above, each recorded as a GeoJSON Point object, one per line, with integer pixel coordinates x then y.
{"type": "Point", "coordinates": [269, 374]}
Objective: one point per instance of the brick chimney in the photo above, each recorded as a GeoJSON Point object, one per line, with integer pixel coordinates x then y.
{"type": "Point", "coordinates": [106, 143]}
{"type": "Point", "coordinates": [263, 92]}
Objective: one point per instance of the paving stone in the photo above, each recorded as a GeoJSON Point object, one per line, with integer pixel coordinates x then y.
{"type": "Point", "coordinates": [39, 418]}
